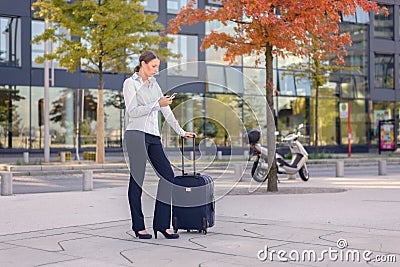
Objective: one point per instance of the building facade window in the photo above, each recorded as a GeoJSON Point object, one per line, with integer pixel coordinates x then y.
{"type": "Point", "coordinates": [189, 110]}
{"type": "Point", "coordinates": [174, 6]}
{"type": "Point", "coordinates": [38, 49]}
{"type": "Point", "coordinates": [214, 2]}
{"type": "Point", "coordinates": [357, 54]}
{"type": "Point", "coordinates": [150, 5]}
{"type": "Point", "coordinates": [381, 110]}
{"type": "Point", "coordinates": [224, 79]}
{"type": "Point", "coordinates": [65, 104]}
{"type": "Point", "coordinates": [360, 17]}
{"type": "Point", "coordinates": [398, 122]}
{"type": "Point", "coordinates": [217, 56]}
{"type": "Point", "coordinates": [187, 47]}
{"type": "Point", "coordinates": [14, 116]}
{"type": "Point", "coordinates": [384, 71]}
{"type": "Point", "coordinates": [10, 41]}
{"type": "Point", "coordinates": [384, 25]}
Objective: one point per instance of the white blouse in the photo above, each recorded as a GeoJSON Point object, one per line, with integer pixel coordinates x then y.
{"type": "Point", "coordinates": [141, 105]}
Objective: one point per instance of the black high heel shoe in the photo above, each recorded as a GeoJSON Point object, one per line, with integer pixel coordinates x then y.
{"type": "Point", "coordinates": [166, 234]}
{"type": "Point", "coordinates": [143, 236]}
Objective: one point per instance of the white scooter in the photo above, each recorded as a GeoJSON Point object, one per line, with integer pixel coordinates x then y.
{"type": "Point", "coordinates": [260, 168]}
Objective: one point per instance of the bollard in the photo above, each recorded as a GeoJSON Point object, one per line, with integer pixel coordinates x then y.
{"type": "Point", "coordinates": [382, 167]}
{"type": "Point", "coordinates": [26, 157]}
{"type": "Point", "coordinates": [219, 154]}
{"type": "Point", "coordinates": [246, 154]}
{"type": "Point", "coordinates": [6, 183]}
{"type": "Point", "coordinates": [62, 156]}
{"type": "Point", "coordinates": [339, 168]}
{"type": "Point", "coordinates": [87, 181]}
{"type": "Point", "coordinates": [291, 176]}
{"type": "Point", "coordinates": [238, 173]}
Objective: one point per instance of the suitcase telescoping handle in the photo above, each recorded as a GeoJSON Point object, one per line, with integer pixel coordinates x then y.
{"type": "Point", "coordinates": [194, 156]}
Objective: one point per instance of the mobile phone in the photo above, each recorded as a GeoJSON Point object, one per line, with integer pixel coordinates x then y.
{"type": "Point", "coordinates": [173, 95]}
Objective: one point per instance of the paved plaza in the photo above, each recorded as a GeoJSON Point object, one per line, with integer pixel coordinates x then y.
{"type": "Point", "coordinates": [328, 221]}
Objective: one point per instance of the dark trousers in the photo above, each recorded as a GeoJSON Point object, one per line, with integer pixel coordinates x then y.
{"type": "Point", "coordinates": [140, 147]}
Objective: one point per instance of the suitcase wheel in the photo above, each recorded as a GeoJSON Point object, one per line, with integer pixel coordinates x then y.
{"type": "Point", "coordinates": [205, 226]}
{"type": "Point", "coordinates": [205, 223]}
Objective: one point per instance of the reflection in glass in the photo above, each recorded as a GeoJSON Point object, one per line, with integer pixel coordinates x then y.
{"type": "Point", "coordinates": [328, 126]}
{"type": "Point", "coordinates": [303, 86]}
{"type": "Point", "coordinates": [384, 71]}
{"type": "Point", "coordinates": [347, 86]}
{"type": "Point", "coordinates": [186, 47]}
{"type": "Point", "coordinates": [384, 25]}
{"type": "Point", "coordinates": [10, 41]}
{"type": "Point", "coordinates": [254, 114]}
{"type": "Point", "coordinates": [381, 110]}
{"type": "Point", "coordinates": [215, 79]}
{"type": "Point", "coordinates": [397, 108]}
{"type": "Point", "coordinates": [188, 109]}
{"type": "Point", "coordinates": [358, 118]}
{"type": "Point", "coordinates": [150, 5]}
{"type": "Point", "coordinates": [224, 79]}
{"type": "Point", "coordinates": [62, 119]}
{"type": "Point", "coordinates": [357, 57]}
{"type": "Point", "coordinates": [291, 112]}
{"type": "Point", "coordinates": [217, 56]}
{"type": "Point", "coordinates": [14, 117]}
{"type": "Point", "coordinates": [286, 85]}
{"type": "Point", "coordinates": [174, 6]}
{"type": "Point", "coordinates": [224, 120]}
{"type": "Point", "coordinates": [254, 81]}
{"type": "Point", "coordinates": [114, 110]}
{"type": "Point", "coordinates": [38, 49]}
{"type": "Point", "coordinates": [360, 17]}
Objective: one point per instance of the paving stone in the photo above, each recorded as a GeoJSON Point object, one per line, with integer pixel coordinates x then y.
{"type": "Point", "coordinates": [42, 233]}
{"type": "Point", "coordinates": [171, 256]}
{"type": "Point", "coordinates": [4, 246]}
{"type": "Point", "coordinates": [103, 249]}
{"type": "Point", "coordinates": [28, 257]}
{"type": "Point", "coordinates": [50, 243]}
{"type": "Point", "coordinates": [85, 263]}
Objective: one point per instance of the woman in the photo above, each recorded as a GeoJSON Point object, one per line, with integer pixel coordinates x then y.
{"type": "Point", "coordinates": [143, 99]}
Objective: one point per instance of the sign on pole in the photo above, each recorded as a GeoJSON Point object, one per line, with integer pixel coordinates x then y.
{"type": "Point", "coordinates": [343, 110]}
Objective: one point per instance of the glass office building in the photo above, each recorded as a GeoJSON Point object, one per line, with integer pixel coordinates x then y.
{"type": "Point", "coordinates": [217, 100]}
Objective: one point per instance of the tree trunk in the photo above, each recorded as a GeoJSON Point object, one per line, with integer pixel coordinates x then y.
{"type": "Point", "coordinates": [317, 83]}
{"type": "Point", "coordinates": [271, 142]}
{"type": "Point", "coordinates": [100, 123]}
{"type": "Point", "coordinates": [316, 121]}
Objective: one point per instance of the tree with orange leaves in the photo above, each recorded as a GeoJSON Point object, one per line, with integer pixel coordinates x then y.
{"type": "Point", "coordinates": [275, 28]}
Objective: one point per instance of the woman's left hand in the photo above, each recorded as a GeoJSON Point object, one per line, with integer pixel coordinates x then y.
{"type": "Point", "coordinates": [190, 135]}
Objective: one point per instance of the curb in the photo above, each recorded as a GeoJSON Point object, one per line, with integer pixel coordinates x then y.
{"type": "Point", "coordinates": [62, 168]}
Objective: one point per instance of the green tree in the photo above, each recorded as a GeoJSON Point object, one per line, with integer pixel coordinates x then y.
{"type": "Point", "coordinates": [103, 35]}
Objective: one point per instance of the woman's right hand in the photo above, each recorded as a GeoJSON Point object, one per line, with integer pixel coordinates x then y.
{"type": "Point", "coordinates": [165, 101]}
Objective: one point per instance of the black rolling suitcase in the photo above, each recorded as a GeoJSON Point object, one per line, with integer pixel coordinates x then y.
{"type": "Point", "coordinates": [193, 205]}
